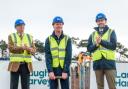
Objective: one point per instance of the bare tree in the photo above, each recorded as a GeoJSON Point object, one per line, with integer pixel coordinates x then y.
{"type": "Point", "coordinates": [40, 49]}
{"type": "Point", "coordinates": [122, 50]}
{"type": "Point", "coordinates": [3, 47]}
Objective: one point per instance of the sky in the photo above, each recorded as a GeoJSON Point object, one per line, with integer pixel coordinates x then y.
{"type": "Point", "coordinates": [79, 17]}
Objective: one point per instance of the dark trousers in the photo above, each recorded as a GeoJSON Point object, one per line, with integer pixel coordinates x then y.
{"type": "Point", "coordinates": [64, 84]}
{"type": "Point", "coordinates": [24, 73]}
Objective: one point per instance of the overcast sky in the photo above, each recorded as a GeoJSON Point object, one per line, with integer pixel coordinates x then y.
{"type": "Point", "coordinates": [78, 15]}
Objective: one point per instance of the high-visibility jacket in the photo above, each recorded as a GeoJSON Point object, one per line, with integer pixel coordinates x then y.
{"type": "Point", "coordinates": [102, 51]}
{"type": "Point", "coordinates": [25, 56]}
{"type": "Point", "coordinates": [58, 51]}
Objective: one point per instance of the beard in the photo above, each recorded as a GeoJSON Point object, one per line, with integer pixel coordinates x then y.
{"type": "Point", "coordinates": [101, 26]}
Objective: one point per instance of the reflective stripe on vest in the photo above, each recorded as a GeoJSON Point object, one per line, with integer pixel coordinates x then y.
{"type": "Point", "coordinates": [58, 51]}
{"type": "Point", "coordinates": [23, 57]}
{"type": "Point", "coordinates": [102, 51]}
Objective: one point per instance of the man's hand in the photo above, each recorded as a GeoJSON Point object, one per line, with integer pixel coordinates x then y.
{"type": "Point", "coordinates": [98, 40]}
{"type": "Point", "coordinates": [64, 76]}
{"type": "Point", "coordinates": [32, 51]}
{"type": "Point", "coordinates": [25, 47]}
{"type": "Point", "coordinates": [52, 76]}
{"type": "Point", "coordinates": [29, 49]}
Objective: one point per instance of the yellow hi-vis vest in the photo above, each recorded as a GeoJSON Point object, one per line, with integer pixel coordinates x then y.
{"type": "Point", "coordinates": [23, 57]}
{"type": "Point", "coordinates": [58, 51]}
{"type": "Point", "coordinates": [102, 51]}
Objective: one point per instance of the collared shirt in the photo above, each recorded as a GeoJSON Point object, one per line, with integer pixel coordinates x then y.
{"type": "Point", "coordinates": [101, 30]}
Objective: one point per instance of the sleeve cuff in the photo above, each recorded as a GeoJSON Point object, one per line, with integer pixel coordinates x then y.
{"type": "Point", "coordinates": [50, 70]}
